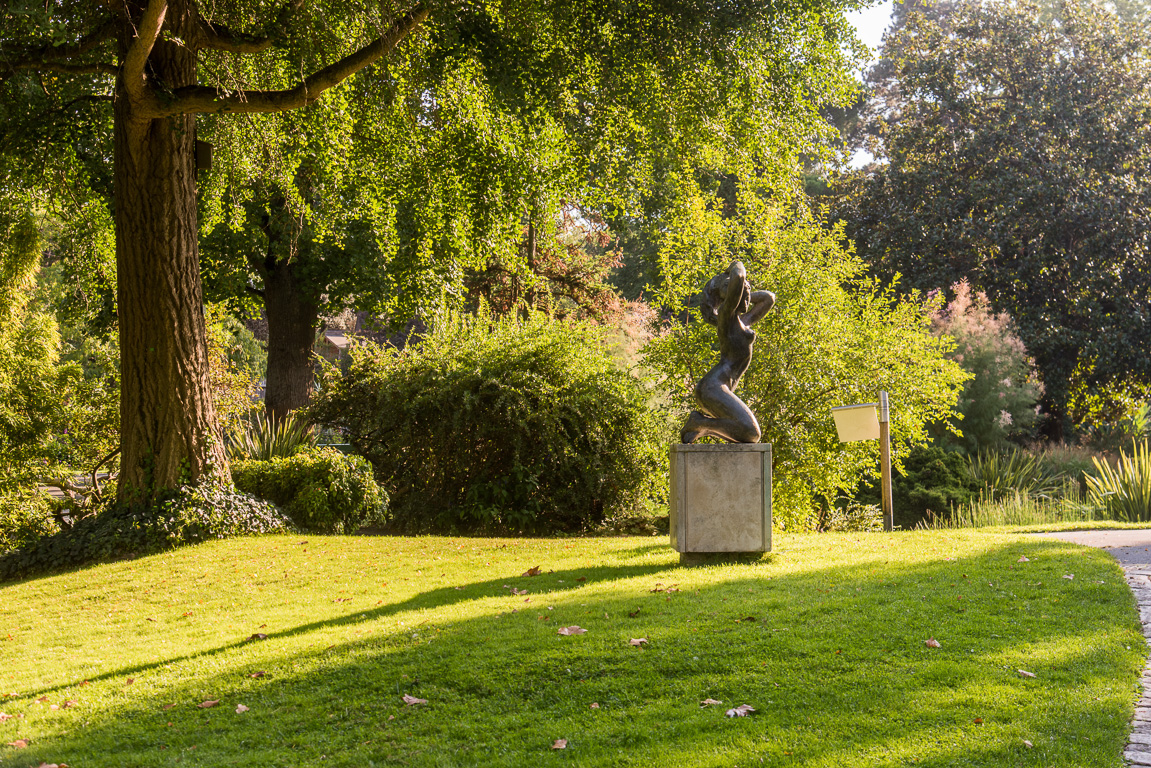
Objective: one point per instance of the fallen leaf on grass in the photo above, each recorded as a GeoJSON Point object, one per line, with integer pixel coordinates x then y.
{"type": "Point", "coordinates": [595, 705]}
{"type": "Point", "coordinates": [1025, 673]}
{"type": "Point", "coordinates": [978, 721]}
{"type": "Point", "coordinates": [53, 707]}
{"type": "Point", "coordinates": [166, 707]}
{"type": "Point", "coordinates": [241, 709]}
{"type": "Point", "coordinates": [931, 642]}
{"type": "Point", "coordinates": [257, 636]}
{"type": "Point", "coordinates": [519, 591]}
{"type": "Point", "coordinates": [668, 589]}
{"type": "Point", "coordinates": [410, 700]}
{"type": "Point", "coordinates": [129, 681]}
{"type": "Point", "coordinates": [4, 717]}
{"type": "Point", "coordinates": [709, 702]}
{"type": "Point", "coordinates": [743, 710]}
{"type": "Point", "coordinates": [1069, 576]}
{"type": "Point", "coordinates": [1023, 559]}
{"type": "Point", "coordinates": [18, 744]}
{"type": "Point", "coordinates": [637, 641]}
{"type": "Point", "coordinates": [572, 630]}
{"type": "Point", "coordinates": [560, 744]}
{"type": "Point", "coordinates": [533, 571]}
{"type": "Point", "coordinates": [261, 673]}
{"type": "Point", "coordinates": [208, 704]}
{"type": "Point", "coordinates": [85, 682]}
{"type": "Point", "coordinates": [341, 599]}
{"type": "Point", "coordinates": [149, 618]}
{"type": "Point", "coordinates": [182, 615]}
{"type": "Point", "coordinates": [582, 578]}
{"type": "Point", "coordinates": [69, 703]}
{"type": "Point", "coordinates": [43, 699]}
{"type": "Point", "coordinates": [633, 614]}
{"type": "Point", "coordinates": [1028, 744]}
{"type": "Point", "coordinates": [52, 765]}
{"type": "Point", "coordinates": [749, 618]}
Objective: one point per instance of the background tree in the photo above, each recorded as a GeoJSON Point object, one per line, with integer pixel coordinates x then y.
{"type": "Point", "coordinates": [1015, 154]}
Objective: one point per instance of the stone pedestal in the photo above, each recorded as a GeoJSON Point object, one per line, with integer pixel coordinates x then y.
{"type": "Point", "coordinates": [720, 501]}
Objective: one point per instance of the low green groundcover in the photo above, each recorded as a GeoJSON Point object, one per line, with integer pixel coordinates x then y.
{"type": "Point", "coordinates": [299, 651]}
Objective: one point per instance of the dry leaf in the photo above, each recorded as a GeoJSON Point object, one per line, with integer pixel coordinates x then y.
{"type": "Point", "coordinates": [1023, 559]}
{"type": "Point", "coordinates": [258, 636]}
{"type": "Point", "coordinates": [743, 710]}
{"type": "Point", "coordinates": [166, 707]}
{"type": "Point", "coordinates": [4, 717]}
{"type": "Point", "coordinates": [129, 681]}
{"type": "Point", "coordinates": [749, 618]}
{"type": "Point", "coordinates": [519, 591]}
{"type": "Point", "coordinates": [410, 700]}
{"type": "Point", "coordinates": [53, 707]}
{"type": "Point", "coordinates": [560, 744]}
{"type": "Point", "coordinates": [208, 704]}
{"type": "Point", "coordinates": [85, 682]}
{"type": "Point", "coordinates": [42, 699]}
{"type": "Point", "coordinates": [582, 578]}
{"type": "Point", "coordinates": [595, 705]}
{"type": "Point", "coordinates": [633, 614]}
{"type": "Point", "coordinates": [52, 765]}
{"type": "Point", "coordinates": [637, 641]}
{"type": "Point", "coordinates": [978, 721]}
{"type": "Point", "coordinates": [182, 615]}
{"type": "Point", "coordinates": [1028, 744]}
{"type": "Point", "coordinates": [69, 703]}
{"type": "Point", "coordinates": [1069, 576]}
{"type": "Point", "coordinates": [709, 702]}
{"type": "Point", "coordinates": [533, 571]}
{"type": "Point", "coordinates": [1025, 673]}
{"type": "Point", "coordinates": [149, 618]}
{"type": "Point", "coordinates": [261, 673]}
{"type": "Point", "coordinates": [572, 630]}
{"type": "Point", "coordinates": [240, 709]}
{"type": "Point", "coordinates": [931, 642]}
{"type": "Point", "coordinates": [18, 744]}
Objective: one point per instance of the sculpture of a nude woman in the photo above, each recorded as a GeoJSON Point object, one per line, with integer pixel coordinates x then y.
{"type": "Point", "coordinates": [731, 306]}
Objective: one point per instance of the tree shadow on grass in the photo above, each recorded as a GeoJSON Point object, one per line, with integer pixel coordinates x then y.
{"type": "Point", "coordinates": [833, 660]}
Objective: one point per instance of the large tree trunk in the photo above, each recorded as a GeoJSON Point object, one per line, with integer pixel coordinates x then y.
{"type": "Point", "coordinates": [169, 432]}
{"type": "Point", "coordinates": [292, 319]}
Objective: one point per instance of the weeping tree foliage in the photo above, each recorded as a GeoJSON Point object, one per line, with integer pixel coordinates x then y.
{"type": "Point", "coordinates": [835, 337]}
{"type": "Point", "coordinates": [467, 151]}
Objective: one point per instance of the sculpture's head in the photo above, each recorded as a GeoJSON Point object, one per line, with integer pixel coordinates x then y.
{"type": "Point", "coordinates": [714, 292]}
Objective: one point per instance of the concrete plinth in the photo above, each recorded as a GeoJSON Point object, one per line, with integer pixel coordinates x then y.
{"type": "Point", "coordinates": [720, 501]}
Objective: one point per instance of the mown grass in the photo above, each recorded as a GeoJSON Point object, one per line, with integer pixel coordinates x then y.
{"type": "Point", "coordinates": [825, 639]}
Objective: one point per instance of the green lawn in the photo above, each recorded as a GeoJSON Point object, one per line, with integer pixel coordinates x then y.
{"type": "Point", "coordinates": [825, 639]}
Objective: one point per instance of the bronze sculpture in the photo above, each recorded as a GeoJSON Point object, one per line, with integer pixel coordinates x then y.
{"type": "Point", "coordinates": [731, 306]}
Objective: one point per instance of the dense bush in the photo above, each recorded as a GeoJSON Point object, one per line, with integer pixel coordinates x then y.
{"type": "Point", "coordinates": [931, 483]}
{"type": "Point", "coordinates": [190, 515]}
{"type": "Point", "coordinates": [500, 424]}
{"type": "Point", "coordinates": [322, 491]}
{"type": "Point", "coordinates": [24, 518]}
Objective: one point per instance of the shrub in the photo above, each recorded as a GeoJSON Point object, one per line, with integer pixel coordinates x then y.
{"type": "Point", "coordinates": [499, 424]}
{"type": "Point", "coordinates": [1124, 490]}
{"type": "Point", "coordinates": [258, 438]}
{"type": "Point", "coordinates": [191, 514]}
{"type": "Point", "coordinates": [999, 402]}
{"type": "Point", "coordinates": [1000, 473]}
{"type": "Point", "coordinates": [322, 491]}
{"type": "Point", "coordinates": [930, 484]}
{"type": "Point", "coordinates": [24, 518]}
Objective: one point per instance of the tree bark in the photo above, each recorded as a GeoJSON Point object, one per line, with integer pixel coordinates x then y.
{"type": "Point", "coordinates": [292, 318]}
{"type": "Point", "coordinates": [169, 432]}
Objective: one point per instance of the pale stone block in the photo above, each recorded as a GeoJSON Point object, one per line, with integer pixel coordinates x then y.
{"type": "Point", "coordinates": [721, 498]}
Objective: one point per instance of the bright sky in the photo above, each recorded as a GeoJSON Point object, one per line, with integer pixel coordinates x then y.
{"type": "Point", "coordinates": [871, 22]}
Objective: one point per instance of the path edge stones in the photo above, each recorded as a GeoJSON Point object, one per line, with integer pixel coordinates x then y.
{"type": "Point", "coordinates": [1138, 750]}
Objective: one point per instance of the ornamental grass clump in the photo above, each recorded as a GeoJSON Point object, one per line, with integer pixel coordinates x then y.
{"type": "Point", "coordinates": [505, 424]}
{"type": "Point", "coordinates": [1123, 490]}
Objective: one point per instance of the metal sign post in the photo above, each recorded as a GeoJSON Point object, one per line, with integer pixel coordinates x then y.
{"type": "Point", "coordinates": [885, 462]}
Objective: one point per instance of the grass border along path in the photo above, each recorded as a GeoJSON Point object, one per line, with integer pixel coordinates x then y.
{"type": "Point", "coordinates": [309, 644]}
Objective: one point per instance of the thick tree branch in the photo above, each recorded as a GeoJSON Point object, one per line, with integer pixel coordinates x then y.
{"type": "Point", "coordinates": [96, 68]}
{"type": "Point", "coordinates": [147, 32]}
{"type": "Point", "coordinates": [197, 99]}
{"type": "Point", "coordinates": [53, 58]}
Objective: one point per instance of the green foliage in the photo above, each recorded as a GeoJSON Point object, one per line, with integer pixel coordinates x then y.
{"type": "Point", "coordinates": [930, 483]}
{"type": "Point", "coordinates": [999, 473]}
{"type": "Point", "coordinates": [322, 491]}
{"type": "Point", "coordinates": [834, 337]}
{"type": "Point", "coordinates": [1123, 490]}
{"type": "Point", "coordinates": [190, 515]}
{"type": "Point", "coordinates": [259, 438]}
{"type": "Point", "coordinates": [489, 423]}
{"type": "Point", "coordinates": [999, 401]}
{"type": "Point", "coordinates": [1018, 149]}
{"type": "Point", "coordinates": [25, 516]}
{"type": "Point", "coordinates": [848, 515]}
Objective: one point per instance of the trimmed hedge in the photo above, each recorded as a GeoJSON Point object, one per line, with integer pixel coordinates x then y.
{"type": "Point", "coordinates": [322, 490]}
{"type": "Point", "coordinates": [190, 515]}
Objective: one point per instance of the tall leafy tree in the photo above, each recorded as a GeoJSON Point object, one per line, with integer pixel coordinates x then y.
{"type": "Point", "coordinates": [1015, 152]}
{"type": "Point", "coordinates": [144, 71]}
